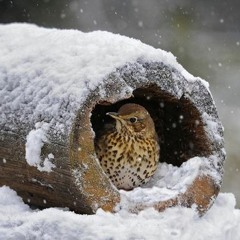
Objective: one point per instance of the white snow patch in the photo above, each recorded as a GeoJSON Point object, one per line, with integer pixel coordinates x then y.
{"type": "Point", "coordinates": [212, 127]}
{"type": "Point", "coordinates": [77, 174]}
{"type": "Point", "coordinates": [35, 141]}
{"type": "Point", "coordinates": [168, 182]}
{"type": "Point", "coordinates": [18, 221]}
{"type": "Point", "coordinates": [49, 72]}
{"type": "Point", "coordinates": [41, 183]}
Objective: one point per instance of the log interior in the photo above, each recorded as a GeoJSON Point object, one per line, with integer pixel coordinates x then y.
{"type": "Point", "coordinates": [177, 121]}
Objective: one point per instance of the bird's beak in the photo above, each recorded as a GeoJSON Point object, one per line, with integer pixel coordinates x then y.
{"type": "Point", "coordinates": [114, 115]}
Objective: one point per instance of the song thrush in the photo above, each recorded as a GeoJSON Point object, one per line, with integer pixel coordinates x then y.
{"type": "Point", "coordinates": [129, 152]}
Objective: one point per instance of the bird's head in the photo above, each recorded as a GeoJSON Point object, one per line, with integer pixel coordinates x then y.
{"type": "Point", "coordinates": [133, 119]}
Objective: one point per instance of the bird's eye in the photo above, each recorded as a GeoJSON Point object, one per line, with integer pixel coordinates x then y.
{"type": "Point", "coordinates": [133, 119]}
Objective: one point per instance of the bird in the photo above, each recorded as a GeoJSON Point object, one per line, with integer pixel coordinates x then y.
{"type": "Point", "coordinates": [129, 151]}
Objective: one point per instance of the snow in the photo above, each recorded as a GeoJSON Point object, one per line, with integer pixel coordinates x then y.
{"type": "Point", "coordinates": [35, 141]}
{"type": "Point", "coordinates": [61, 78]}
{"type": "Point", "coordinates": [168, 182]}
{"type": "Point", "coordinates": [18, 221]}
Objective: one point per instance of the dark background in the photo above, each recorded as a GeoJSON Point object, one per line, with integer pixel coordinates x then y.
{"type": "Point", "coordinates": [203, 35]}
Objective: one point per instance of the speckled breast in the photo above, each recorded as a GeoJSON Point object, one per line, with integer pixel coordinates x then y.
{"type": "Point", "coordinates": [129, 161]}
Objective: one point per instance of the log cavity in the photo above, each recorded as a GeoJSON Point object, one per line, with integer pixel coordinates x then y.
{"type": "Point", "coordinates": [177, 121]}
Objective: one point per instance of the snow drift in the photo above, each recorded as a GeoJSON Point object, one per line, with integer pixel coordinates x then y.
{"type": "Point", "coordinates": [18, 221]}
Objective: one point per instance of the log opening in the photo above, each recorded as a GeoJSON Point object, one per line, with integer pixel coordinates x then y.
{"type": "Point", "coordinates": [177, 121]}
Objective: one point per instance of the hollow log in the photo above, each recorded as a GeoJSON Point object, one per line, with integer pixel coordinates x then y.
{"type": "Point", "coordinates": [68, 81]}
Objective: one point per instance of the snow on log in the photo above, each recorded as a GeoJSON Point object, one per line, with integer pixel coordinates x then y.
{"type": "Point", "coordinates": [56, 87]}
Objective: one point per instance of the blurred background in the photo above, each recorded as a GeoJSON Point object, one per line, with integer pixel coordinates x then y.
{"type": "Point", "coordinates": [203, 35]}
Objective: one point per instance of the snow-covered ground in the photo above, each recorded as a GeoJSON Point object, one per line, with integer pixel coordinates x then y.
{"type": "Point", "coordinates": [19, 222]}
